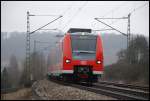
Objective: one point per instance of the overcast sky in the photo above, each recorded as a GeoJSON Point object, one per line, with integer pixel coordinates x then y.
{"type": "Point", "coordinates": [75, 14]}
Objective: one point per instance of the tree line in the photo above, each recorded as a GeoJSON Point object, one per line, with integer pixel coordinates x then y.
{"type": "Point", "coordinates": [13, 77]}
{"type": "Point", "coordinates": [133, 63]}
{"type": "Point", "coordinates": [132, 66]}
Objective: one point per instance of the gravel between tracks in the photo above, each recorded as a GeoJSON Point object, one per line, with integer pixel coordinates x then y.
{"type": "Point", "coordinates": [52, 91]}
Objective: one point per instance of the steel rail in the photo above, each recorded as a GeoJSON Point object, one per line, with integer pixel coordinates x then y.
{"type": "Point", "coordinates": [125, 85]}
{"type": "Point", "coordinates": [119, 93]}
{"type": "Point", "coordinates": [133, 92]}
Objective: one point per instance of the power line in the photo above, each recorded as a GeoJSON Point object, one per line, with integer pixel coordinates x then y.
{"type": "Point", "coordinates": [68, 8]}
{"type": "Point", "coordinates": [49, 29]}
{"type": "Point", "coordinates": [115, 9]}
{"type": "Point", "coordinates": [138, 8]}
{"type": "Point", "coordinates": [65, 11]}
{"type": "Point", "coordinates": [46, 24]}
{"type": "Point", "coordinates": [44, 15]}
{"type": "Point", "coordinates": [102, 29]}
{"type": "Point", "coordinates": [128, 28]}
{"type": "Point", "coordinates": [79, 10]}
{"type": "Point", "coordinates": [113, 18]}
{"type": "Point", "coordinates": [110, 26]}
{"type": "Point", "coordinates": [130, 12]}
{"type": "Point", "coordinates": [114, 22]}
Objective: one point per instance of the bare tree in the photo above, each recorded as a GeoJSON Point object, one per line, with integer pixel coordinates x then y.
{"type": "Point", "coordinates": [14, 71]}
{"type": "Point", "coordinates": [137, 52]}
{"type": "Point", "coordinates": [23, 79]}
{"type": "Point", "coordinates": [38, 65]}
{"type": "Point", "coordinates": [133, 63]}
{"type": "Point", "coordinates": [121, 55]}
{"type": "Point", "coordinates": [5, 79]}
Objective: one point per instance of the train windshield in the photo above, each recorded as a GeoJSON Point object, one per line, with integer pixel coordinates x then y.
{"type": "Point", "coordinates": [83, 47]}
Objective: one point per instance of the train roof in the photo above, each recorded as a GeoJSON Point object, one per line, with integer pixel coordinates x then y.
{"type": "Point", "coordinates": [73, 30]}
{"type": "Point", "coordinates": [81, 31]}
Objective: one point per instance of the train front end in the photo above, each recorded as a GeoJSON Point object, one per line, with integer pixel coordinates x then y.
{"type": "Point", "coordinates": [82, 55]}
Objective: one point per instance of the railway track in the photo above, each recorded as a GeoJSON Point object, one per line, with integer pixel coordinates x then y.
{"type": "Point", "coordinates": [115, 92]}
{"type": "Point", "coordinates": [121, 93]}
{"type": "Point", "coordinates": [144, 88]}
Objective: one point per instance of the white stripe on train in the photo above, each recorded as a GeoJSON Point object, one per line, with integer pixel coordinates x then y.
{"type": "Point", "coordinates": [71, 71]}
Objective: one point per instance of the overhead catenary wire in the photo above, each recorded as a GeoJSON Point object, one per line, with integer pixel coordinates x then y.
{"type": "Point", "coordinates": [43, 15]}
{"type": "Point", "coordinates": [54, 15]}
{"type": "Point", "coordinates": [64, 13]}
{"type": "Point", "coordinates": [79, 9]}
{"type": "Point", "coordinates": [135, 9]}
{"type": "Point", "coordinates": [102, 29]}
{"type": "Point", "coordinates": [49, 29]}
{"type": "Point", "coordinates": [75, 14]}
{"type": "Point", "coordinates": [138, 8]}
{"type": "Point", "coordinates": [128, 29]}
{"type": "Point", "coordinates": [46, 24]}
{"type": "Point", "coordinates": [114, 10]}
{"type": "Point", "coordinates": [68, 8]}
{"type": "Point", "coordinates": [111, 27]}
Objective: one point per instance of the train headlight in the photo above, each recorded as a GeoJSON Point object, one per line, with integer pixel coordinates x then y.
{"type": "Point", "coordinates": [98, 62]}
{"type": "Point", "coordinates": [67, 61]}
{"type": "Point", "coordinates": [83, 33]}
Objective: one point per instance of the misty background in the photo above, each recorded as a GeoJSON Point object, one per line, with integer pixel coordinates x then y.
{"type": "Point", "coordinates": [128, 65]}
{"type": "Point", "coordinates": [15, 45]}
{"type": "Point", "coordinates": [76, 14]}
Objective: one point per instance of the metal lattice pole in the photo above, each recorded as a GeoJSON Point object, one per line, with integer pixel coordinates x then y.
{"type": "Point", "coordinates": [128, 36]}
{"type": "Point", "coordinates": [28, 50]}
{"type": "Point", "coordinates": [29, 76]}
{"type": "Point", "coordinates": [128, 30]}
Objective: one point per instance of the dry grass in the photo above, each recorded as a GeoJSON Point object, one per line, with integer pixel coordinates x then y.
{"type": "Point", "coordinates": [21, 94]}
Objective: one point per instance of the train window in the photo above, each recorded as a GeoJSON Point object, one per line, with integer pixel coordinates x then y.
{"type": "Point", "coordinates": [83, 47]}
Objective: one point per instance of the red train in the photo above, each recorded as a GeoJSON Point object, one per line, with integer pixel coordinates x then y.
{"type": "Point", "coordinates": [78, 56]}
